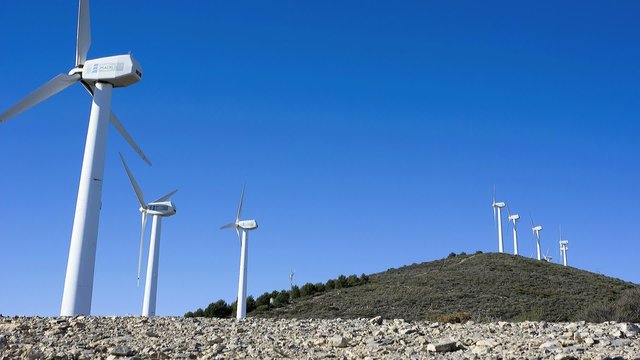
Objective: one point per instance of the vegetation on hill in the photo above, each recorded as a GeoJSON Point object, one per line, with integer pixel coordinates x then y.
{"type": "Point", "coordinates": [481, 287]}
{"type": "Point", "coordinates": [277, 299]}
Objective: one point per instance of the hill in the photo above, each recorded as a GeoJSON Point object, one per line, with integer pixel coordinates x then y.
{"type": "Point", "coordinates": [483, 287]}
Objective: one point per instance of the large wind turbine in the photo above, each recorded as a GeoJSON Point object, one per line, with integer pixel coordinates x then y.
{"type": "Point", "coordinates": [158, 208]}
{"type": "Point", "coordinates": [514, 218]}
{"type": "Point", "coordinates": [536, 231]}
{"type": "Point", "coordinates": [98, 76]}
{"type": "Point", "coordinates": [497, 206]}
{"type": "Point", "coordinates": [245, 226]}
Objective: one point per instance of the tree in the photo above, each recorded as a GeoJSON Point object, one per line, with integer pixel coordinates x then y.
{"type": "Point", "coordinates": [307, 289]}
{"type": "Point", "coordinates": [341, 282]}
{"type": "Point", "coordinates": [331, 284]}
{"type": "Point", "coordinates": [263, 300]}
{"type": "Point", "coordinates": [352, 280]}
{"type": "Point", "coordinates": [251, 304]}
{"type": "Point", "coordinates": [364, 279]}
{"type": "Point", "coordinates": [295, 292]}
{"type": "Point", "coordinates": [281, 299]}
{"type": "Point", "coordinates": [218, 309]}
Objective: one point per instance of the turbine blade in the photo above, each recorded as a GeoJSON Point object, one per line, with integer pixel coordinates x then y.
{"type": "Point", "coordinates": [83, 36]}
{"type": "Point", "coordinates": [144, 224]}
{"type": "Point", "coordinates": [118, 125]}
{"type": "Point", "coordinates": [50, 88]}
{"type": "Point", "coordinates": [166, 197]}
{"type": "Point", "coordinates": [532, 223]}
{"type": "Point", "coordinates": [238, 233]}
{"type": "Point", "coordinates": [136, 188]}
{"type": "Point", "coordinates": [228, 226]}
{"type": "Point", "coordinates": [240, 206]}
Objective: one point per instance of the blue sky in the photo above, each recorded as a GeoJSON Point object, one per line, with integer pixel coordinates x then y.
{"type": "Point", "coordinates": [370, 135]}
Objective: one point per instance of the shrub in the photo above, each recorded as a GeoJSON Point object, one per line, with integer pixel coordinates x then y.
{"type": "Point", "coordinates": [352, 280]}
{"type": "Point", "coordinates": [330, 285]}
{"type": "Point", "coordinates": [319, 287]}
{"type": "Point", "coordinates": [251, 304]}
{"type": "Point", "coordinates": [341, 282]}
{"type": "Point", "coordinates": [627, 307]}
{"type": "Point", "coordinates": [364, 279]}
{"type": "Point", "coordinates": [263, 300]}
{"type": "Point", "coordinates": [218, 309]}
{"type": "Point", "coordinates": [295, 292]}
{"type": "Point", "coordinates": [478, 252]}
{"type": "Point", "coordinates": [307, 289]}
{"type": "Point", "coordinates": [452, 318]}
{"type": "Point", "coordinates": [451, 255]}
{"type": "Point", "coordinates": [281, 299]}
{"type": "Point", "coordinates": [189, 315]}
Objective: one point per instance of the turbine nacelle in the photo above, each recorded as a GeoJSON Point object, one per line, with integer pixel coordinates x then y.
{"type": "Point", "coordinates": [162, 208]}
{"type": "Point", "coordinates": [247, 224]}
{"type": "Point", "coordinates": [499, 204]}
{"type": "Point", "coordinates": [514, 217]}
{"type": "Point", "coordinates": [119, 70]}
{"type": "Point", "coordinates": [537, 228]}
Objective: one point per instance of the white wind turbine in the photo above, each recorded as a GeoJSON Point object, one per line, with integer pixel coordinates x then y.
{"type": "Point", "coordinates": [514, 218]}
{"type": "Point", "coordinates": [497, 207]}
{"type": "Point", "coordinates": [564, 246]}
{"type": "Point", "coordinates": [245, 226]}
{"type": "Point", "coordinates": [536, 232]}
{"type": "Point", "coordinates": [158, 208]}
{"type": "Point", "coordinates": [98, 77]}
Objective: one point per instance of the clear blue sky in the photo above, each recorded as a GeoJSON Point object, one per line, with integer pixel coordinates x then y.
{"type": "Point", "coordinates": [369, 134]}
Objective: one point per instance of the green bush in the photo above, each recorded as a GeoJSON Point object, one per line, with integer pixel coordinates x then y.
{"type": "Point", "coordinates": [627, 307]}
{"type": "Point", "coordinates": [452, 318]}
{"type": "Point", "coordinates": [330, 285]}
{"type": "Point", "coordinates": [352, 280]}
{"type": "Point", "coordinates": [263, 300]}
{"type": "Point", "coordinates": [218, 309]}
{"type": "Point", "coordinates": [307, 289]}
{"type": "Point", "coordinates": [451, 255]}
{"type": "Point", "coordinates": [295, 292]}
{"type": "Point", "coordinates": [341, 282]}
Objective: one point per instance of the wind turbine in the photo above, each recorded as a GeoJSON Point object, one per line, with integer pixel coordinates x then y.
{"type": "Point", "coordinates": [291, 284]}
{"type": "Point", "coordinates": [546, 256]}
{"type": "Point", "coordinates": [158, 208]}
{"type": "Point", "coordinates": [564, 246]}
{"type": "Point", "coordinates": [245, 226]}
{"type": "Point", "coordinates": [99, 77]}
{"type": "Point", "coordinates": [536, 231]}
{"type": "Point", "coordinates": [514, 218]}
{"type": "Point", "coordinates": [497, 206]}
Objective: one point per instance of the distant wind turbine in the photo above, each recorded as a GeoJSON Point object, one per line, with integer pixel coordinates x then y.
{"type": "Point", "coordinates": [514, 218]}
{"type": "Point", "coordinates": [245, 226]}
{"type": "Point", "coordinates": [564, 246]}
{"type": "Point", "coordinates": [98, 77]}
{"type": "Point", "coordinates": [158, 208]}
{"type": "Point", "coordinates": [536, 232]}
{"type": "Point", "coordinates": [497, 207]}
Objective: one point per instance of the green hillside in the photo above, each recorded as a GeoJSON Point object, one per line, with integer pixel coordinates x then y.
{"type": "Point", "coordinates": [482, 287]}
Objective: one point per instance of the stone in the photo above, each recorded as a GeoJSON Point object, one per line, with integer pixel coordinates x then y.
{"type": "Point", "coordinates": [550, 345]}
{"type": "Point", "coordinates": [338, 341]}
{"type": "Point", "coordinates": [443, 346]}
{"type": "Point", "coordinates": [121, 350]}
{"type": "Point", "coordinates": [376, 320]}
{"type": "Point", "coordinates": [629, 329]}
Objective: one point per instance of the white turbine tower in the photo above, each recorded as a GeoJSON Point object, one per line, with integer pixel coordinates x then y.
{"type": "Point", "coordinates": [245, 226]}
{"type": "Point", "coordinates": [158, 208]}
{"type": "Point", "coordinates": [514, 218]}
{"type": "Point", "coordinates": [536, 232]}
{"type": "Point", "coordinates": [98, 77]}
{"type": "Point", "coordinates": [497, 207]}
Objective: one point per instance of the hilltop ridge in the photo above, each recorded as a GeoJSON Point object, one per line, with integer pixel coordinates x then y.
{"type": "Point", "coordinates": [482, 287]}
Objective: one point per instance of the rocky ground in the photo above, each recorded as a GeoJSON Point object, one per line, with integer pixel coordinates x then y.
{"type": "Point", "coordinates": [178, 338]}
